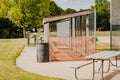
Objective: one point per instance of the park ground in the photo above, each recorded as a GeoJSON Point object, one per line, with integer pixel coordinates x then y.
{"type": "Point", "coordinates": [10, 49]}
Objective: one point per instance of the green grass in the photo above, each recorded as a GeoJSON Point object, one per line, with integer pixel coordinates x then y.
{"type": "Point", "coordinates": [102, 47]}
{"type": "Point", "coordinates": [10, 49]}
{"type": "Point", "coordinates": [103, 33]}
{"type": "Point", "coordinates": [53, 34]}
{"type": "Point", "coordinates": [98, 33]}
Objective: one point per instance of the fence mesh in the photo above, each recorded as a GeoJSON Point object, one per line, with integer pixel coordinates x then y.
{"type": "Point", "coordinates": [69, 41]}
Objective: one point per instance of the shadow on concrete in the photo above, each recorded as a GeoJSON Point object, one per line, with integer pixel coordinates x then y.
{"type": "Point", "coordinates": [111, 75]}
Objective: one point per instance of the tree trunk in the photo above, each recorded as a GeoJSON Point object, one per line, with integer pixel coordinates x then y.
{"type": "Point", "coordinates": [24, 32]}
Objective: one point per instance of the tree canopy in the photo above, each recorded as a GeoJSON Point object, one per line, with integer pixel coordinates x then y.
{"type": "Point", "coordinates": [55, 9]}
{"type": "Point", "coordinates": [25, 13]}
{"type": "Point", "coordinates": [69, 10]}
{"type": "Point", "coordinates": [103, 14]}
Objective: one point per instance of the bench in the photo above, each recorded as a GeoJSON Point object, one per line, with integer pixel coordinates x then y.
{"type": "Point", "coordinates": [102, 56]}
{"type": "Point", "coordinates": [78, 67]}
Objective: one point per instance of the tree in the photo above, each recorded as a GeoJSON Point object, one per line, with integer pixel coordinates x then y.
{"type": "Point", "coordinates": [103, 13]}
{"type": "Point", "coordinates": [25, 13]}
{"type": "Point", "coordinates": [55, 9]}
{"type": "Point", "coordinates": [69, 10]}
{"type": "Point", "coordinates": [81, 9]}
{"type": "Point", "coordinates": [4, 7]}
{"type": "Point", "coordinates": [31, 13]}
{"type": "Point", "coordinates": [8, 29]}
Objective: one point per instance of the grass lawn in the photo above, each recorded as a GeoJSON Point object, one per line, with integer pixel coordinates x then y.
{"type": "Point", "coordinates": [103, 33]}
{"type": "Point", "coordinates": [102, 47]}
{"type": "Point", "coordinates": [98, 33]}
{"type": "Point", "coordinates": [10, 49]}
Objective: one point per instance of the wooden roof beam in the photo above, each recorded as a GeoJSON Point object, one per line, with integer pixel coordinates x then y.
{"type": "Point", "coordinates": [61, 17]}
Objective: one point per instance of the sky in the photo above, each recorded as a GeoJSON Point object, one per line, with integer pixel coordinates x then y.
{"type": "Point", "coordinates": [75, 4]}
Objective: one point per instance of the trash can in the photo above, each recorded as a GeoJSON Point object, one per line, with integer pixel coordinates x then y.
{"type": "Point", "coordinates": [42, 52]}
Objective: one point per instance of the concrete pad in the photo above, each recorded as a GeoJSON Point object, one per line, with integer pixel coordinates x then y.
{"type": "Point", "coordinates": [27, 61]}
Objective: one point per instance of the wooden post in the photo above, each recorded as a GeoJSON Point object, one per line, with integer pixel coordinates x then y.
{"type": "Point", "coordinates": [73, 26]}
{"type": "Point", "coordinates": [73, 33]}
{"type": "Point", "coordinates": [87, 25]}
{"type": "Point", "coordinates": [28, 38]}
{"type": "Point", "coordinates": [46, 32]}
{"type": "Point", "coordinates": [87, 35]}
{"type": "Point", "coordinates": [80, 26]}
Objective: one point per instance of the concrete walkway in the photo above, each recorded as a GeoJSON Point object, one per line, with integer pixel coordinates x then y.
{"type": "Point", "coordinates": [27, 61]}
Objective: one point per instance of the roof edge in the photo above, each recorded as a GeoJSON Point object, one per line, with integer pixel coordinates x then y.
{"type": "Point", "coordinates": [64, 16]}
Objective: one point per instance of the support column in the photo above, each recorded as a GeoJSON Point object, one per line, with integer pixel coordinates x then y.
{"type": "Point", "coordinates": [87, 25]}
{"type": "Point", "coordinates": [73, 33]}
{"type": "Point", "coordinates": [73, 26]}
{"type": "Point", "coordinates": [94, 22]}
{"type": "Point", "coordinates": [46, 32]}
{"type": "Point", "coordinates": [87, 35]}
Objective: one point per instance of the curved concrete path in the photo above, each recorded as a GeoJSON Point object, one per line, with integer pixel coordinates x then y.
{"type": "Point", "coordinates": [27, 61]}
